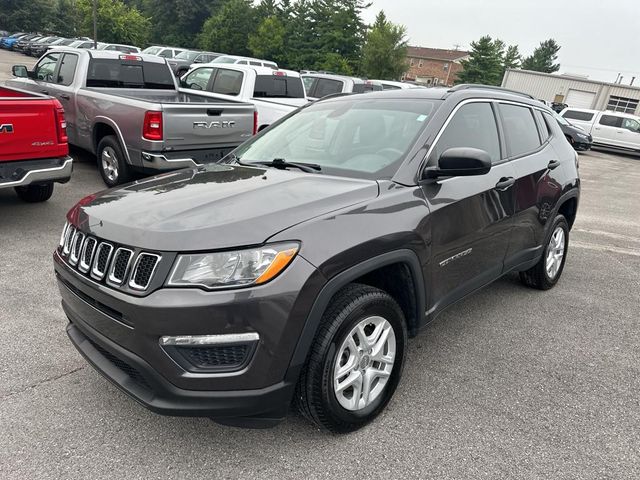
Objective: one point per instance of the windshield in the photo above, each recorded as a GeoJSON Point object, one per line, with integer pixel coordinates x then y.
{"type": "Point", "coordinates": [354, 138]}
{"type": "Point", "coordinates": [189, 56]}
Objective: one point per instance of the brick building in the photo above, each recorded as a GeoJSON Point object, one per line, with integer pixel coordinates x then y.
{"type": "Point", "coordinates": [434, 66]}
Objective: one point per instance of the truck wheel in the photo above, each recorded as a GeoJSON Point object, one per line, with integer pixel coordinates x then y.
{"type": "Point", "coordinates": [35, 193]}
{"type": "Point", "coordinates": [111, 162]}
{"type": "Point", "coordinates": [356, 361]}
{"type": "Point", "coordinates": [546, 273]}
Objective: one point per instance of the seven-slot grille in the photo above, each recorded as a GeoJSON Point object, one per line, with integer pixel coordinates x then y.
{"type": "Point", "coordinates": [117, 266]}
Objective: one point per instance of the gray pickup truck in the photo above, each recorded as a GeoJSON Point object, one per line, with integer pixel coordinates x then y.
{"type": "Point", "coordinates": [129, 111]}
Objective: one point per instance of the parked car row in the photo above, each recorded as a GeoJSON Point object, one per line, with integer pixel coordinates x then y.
{"type": "Point", "coordinates": [617, 130]}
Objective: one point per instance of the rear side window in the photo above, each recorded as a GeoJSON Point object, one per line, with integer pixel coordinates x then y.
{"type": "Point", "coordinates": [520, 129]}
{"type": "Point", "coordinates": [67, 69]}
{"type": "Point", "coordinates": [325, 87]}
{"type": "Point", "coordinates": [366, 87]}
{"type": "Point", "coordinates": [273, 86]}
{"type": "Point", "coordinates": [198, 79]}
{"type": "Point", "coordinates": [611, 121]}
{"type": "Point", "coordinates": [474, 126]}
{"type": "Point", "coordinates": [576, 115]}
{"type": "Point", "coordinates": [228, 82]}
{"type": "Point", "coordinates": [117, 73]}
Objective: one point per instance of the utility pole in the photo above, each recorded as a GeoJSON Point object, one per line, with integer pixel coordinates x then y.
{"type": "Point", "coordinates": [95, 24]}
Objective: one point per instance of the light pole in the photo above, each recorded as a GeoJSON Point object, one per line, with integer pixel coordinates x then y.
{"type": "Point", "coordinates": [95, 24]}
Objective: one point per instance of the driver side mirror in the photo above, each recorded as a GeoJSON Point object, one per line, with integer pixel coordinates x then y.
{"type": "Point", "coordinates": [20, 71]}
{"type": "Point", "coordinates": [460, 162]}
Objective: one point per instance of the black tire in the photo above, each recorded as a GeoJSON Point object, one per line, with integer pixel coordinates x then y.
{"type": "Point", "coordinates": [35, 193]}
{"type": "Point", "coordinates": [111, 146]}
{"type": "Point", "coordinates": [315, 396]}
{"type": "Point", "coordinates": [537, 276]}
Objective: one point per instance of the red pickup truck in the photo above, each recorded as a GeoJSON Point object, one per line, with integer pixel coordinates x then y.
{"type": "Point", "coordinates": [33, 144]}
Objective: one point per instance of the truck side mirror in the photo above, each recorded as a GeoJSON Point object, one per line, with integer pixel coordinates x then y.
{"type": "Point", "coordinates": [20, 71]}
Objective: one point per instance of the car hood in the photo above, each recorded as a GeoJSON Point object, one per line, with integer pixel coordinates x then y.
{"type": "Point", "coordinates": [214, 207]}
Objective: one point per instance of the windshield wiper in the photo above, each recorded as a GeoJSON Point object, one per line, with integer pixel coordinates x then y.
{"type": "Point", "coordinates": [282, 164]}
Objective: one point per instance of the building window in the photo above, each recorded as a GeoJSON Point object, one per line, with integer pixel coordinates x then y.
{"type": "Point", "coordinates": [445, 67]}
{"type": "Point", "coordinates": [621, 104]}
{"type": "Point", "coordinates": [411, 62]}
{"type": "Point", "coordinates": [420, 63]}
{"type": "Point", "coordinates": [436, 81]}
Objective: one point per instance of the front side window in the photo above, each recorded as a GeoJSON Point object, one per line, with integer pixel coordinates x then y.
{"type": "Point", "coordinates": [473, 126]}
{"type": "Point", "coordinates": [521, 132]}
{"type": "Point", "coordinates": [46, 67]}
{"type": "Point", "coordinates": [360, 139]}
{"type": "Point", "coordinates": [611, 121]}
{"type": "Point", "coordinates": [227, 82]}
{"type": "Point", "coordinates": [198, 79]}
{"type": "Point", "coordinates": [67, 69]}
{"type": "Point", "coordinates": [326, 86]}
{"type": "Point", "coordinates": [631, 124]}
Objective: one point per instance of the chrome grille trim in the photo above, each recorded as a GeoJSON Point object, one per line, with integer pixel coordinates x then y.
{"type": "Point", "coordinates": [63, 234]}
{"type": "Point", "coordinates": [68, 236]}
{"type": "Point", "coordinates": [132, 281]}
{"type": "Point", "coordinates": [90, 246]}
{"type": "Point", "coordinates": [95, 271]}
{"type": "Point", "coordinates": [76, 247]}
{"type": "Point", "coordinates": [111, 278]}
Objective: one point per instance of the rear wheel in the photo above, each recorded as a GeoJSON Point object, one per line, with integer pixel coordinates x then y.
{"type": "Point", "coordinates": [546, 273]}
{"type": "Point", "coordinates": [111, 162]}
{"type": "Point", "coordinates": [356, 361]}
{"type": "Point", "coordinates": [35, 193]}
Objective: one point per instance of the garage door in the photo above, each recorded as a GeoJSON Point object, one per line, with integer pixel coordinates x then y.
{"type": "Point", "coordinates": [580, 99]}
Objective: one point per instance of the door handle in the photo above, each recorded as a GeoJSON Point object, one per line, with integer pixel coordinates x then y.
{"type": "Point", "coordinates": [553, 164]}
{"type": "Point", "coordinates": [65, 97]}
{"type": "Point", "coordinates": [505, 183]}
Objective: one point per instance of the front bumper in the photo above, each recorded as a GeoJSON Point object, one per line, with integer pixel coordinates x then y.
{"type": "Point", "coordinates": [119, 335]}
{"type": "Point", "coordinates": [22, 173]}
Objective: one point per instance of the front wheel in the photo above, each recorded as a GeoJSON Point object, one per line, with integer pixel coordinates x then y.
{"type": "Point", "coordinates": [356, 361]}
{"type": "Point", "coordinates": [546, 273]}
{"type": "Point", "coordinates": [35, 193]}
{"type": "Point", "coordinates": [111, 162]}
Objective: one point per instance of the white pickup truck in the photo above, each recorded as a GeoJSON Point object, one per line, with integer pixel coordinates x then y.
{"type": "Point", "coordinates": [608, 129]}
{"type": "Point", "coordinates": [275, 93]}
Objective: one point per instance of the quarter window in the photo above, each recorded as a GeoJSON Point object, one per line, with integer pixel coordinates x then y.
{"type": "Point", "coordinates": [521, 133]}
{"type": "Point", "coordinates": [621, 104]}
{"type": "Point", "coordinates": [545, 133]}
{"type": "Point", "coordinates": [46, 67]}
{"type": "Point", "coordinates": [474, 126]}
{"type": "Point", "coordinates": [611, 121]}
{"type": "Point", "coordinates": [67, 69]}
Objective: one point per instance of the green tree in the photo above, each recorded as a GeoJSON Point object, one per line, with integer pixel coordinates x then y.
{"type": "Point", "coordinates": [178, 22]}
{"type": "Point", "coordinates": [385, 51]}
{"type": "Point", "coordinates": [64, 19]}
{"type": "Point", "coordinates": [268, 40]}
{"type": "Point", "coordinates": [336, 63]}
{"type": "Point", "coordinates": [228, 30]}
{"type": "Point", "coordinates": [543, 58]}
{"type": "Point", "coordinates": [511, 58]}
{"type": "Point", "coordinates": [117, 22]}
{"type": "Point", "coordinates": [485, 62]}
{"type": "Point", "coordinates": [26, 16]}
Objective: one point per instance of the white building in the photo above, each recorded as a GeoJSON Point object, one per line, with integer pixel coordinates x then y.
{"type": "Point", "coordinates": [575, 91]}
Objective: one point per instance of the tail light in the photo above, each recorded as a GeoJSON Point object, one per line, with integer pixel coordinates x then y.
{"type": "Point", "coordinates": [152, 127]}
{"type": "Point", "coordinates": [255, 122]}
{"type": "Point", "coordinates": [61, 123]}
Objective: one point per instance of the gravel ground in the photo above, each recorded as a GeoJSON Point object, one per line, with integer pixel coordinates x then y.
{"type": "Point", "coordinates": [509, 383]}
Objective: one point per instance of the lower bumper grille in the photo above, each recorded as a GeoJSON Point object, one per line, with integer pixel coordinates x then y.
{"type": "Point", "coordinates": [228, 357]}
{"type": "Point", "coordinates": [130, 371]}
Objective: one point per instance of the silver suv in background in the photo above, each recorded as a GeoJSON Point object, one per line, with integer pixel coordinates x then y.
{"type": "Point", "coordinates": [164, 52]}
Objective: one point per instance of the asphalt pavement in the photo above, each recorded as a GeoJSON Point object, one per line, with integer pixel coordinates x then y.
{"type": "Point", "coordinates": [509, 383]}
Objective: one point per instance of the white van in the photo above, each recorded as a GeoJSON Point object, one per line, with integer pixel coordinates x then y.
{"type": "Point", "coordinates": [608, 129]}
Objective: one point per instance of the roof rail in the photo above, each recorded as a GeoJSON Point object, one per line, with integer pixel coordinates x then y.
{"type": "Point", "coordinates": [466, 86]}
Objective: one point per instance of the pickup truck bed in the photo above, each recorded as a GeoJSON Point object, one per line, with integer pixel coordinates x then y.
{"type": "Point", "coordinates": [33, 144]}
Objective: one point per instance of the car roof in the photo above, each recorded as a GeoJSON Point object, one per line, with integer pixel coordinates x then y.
{"type": "Point", "coordinates": [246, 68]}
{"type": "Point", "coordinates": [332, 76]}
{"type": "Point", "coordinates": [111, 54]}
{"type": "Point", "coordinates": [240, 57]}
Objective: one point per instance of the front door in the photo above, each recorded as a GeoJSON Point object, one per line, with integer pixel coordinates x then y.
{"type": "Point", "coordinates": [471, 217]}
{"type": "Point", "coordinates": [608, 130]}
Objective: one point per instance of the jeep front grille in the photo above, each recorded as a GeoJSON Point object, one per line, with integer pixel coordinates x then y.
{"type": "Point", "coordinates": [120, 266]}
{"type": "Point", "coordinates": [86, 258]}
{"type": "Point", "coordinates": [143, 270]}
{"type": "Point", "coordinates": [101, 262]}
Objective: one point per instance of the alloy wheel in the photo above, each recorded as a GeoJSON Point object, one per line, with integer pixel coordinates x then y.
{"type": "Point", "coordinates": [109, 164]}
{"type": "Point", "coordinates": [555, 252]}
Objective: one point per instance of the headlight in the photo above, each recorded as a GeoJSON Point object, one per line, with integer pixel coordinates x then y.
{"type": "Point", "coordinates": [233, 268]}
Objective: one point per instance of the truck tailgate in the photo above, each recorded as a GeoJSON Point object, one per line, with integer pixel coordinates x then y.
{"type": "Point", "coordinates": [28, 129]}
{"type": "Point", "coordinates": [190, 126]}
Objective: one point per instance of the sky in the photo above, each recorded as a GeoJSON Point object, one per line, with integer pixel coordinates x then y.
{"type": "Point", "coordinates": [599, 38]}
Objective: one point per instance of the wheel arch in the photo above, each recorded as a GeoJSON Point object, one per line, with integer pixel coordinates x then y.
{"type": "Point", "coordinates": [103, 127]}
{"type": "Point", "coordinates": [403, 259]}
{"type": "Point", "coordinates": [568, 206]}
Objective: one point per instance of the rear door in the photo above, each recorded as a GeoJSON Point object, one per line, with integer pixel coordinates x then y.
{"type": "Point", "coordinates": [472, 216]}
{"type": "Point", "coordinates": [608, 130]}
